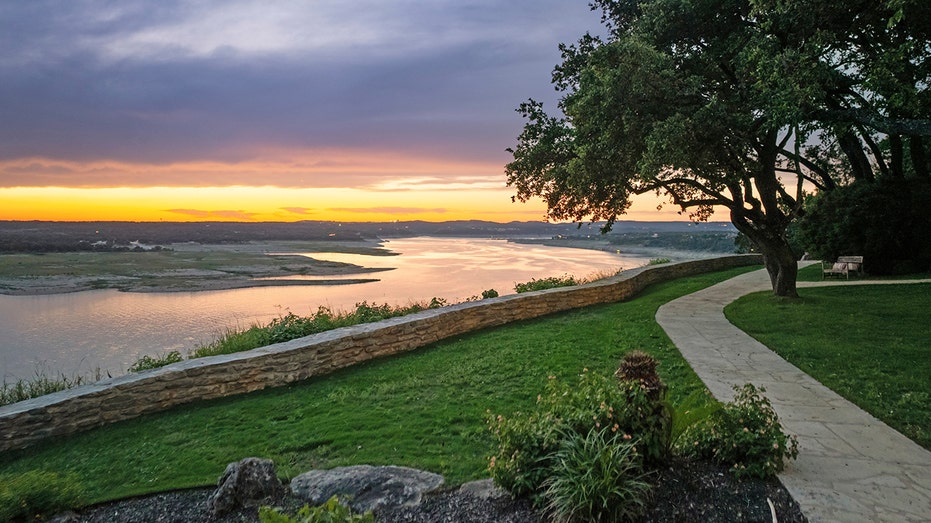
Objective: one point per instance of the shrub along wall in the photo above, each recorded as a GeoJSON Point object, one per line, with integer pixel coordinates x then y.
{"type": "Point", "coordinates": [124, 397]}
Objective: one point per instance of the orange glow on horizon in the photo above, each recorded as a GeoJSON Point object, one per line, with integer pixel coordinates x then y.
{"type": "Point", "coordinates": [324, 185]}
{"type": "Point", "coordinates": [186, 204]}
{"type": "Point", "coordinates": [190, 204]}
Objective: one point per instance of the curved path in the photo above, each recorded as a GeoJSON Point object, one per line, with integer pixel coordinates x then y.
{"type": "Point", "coordinates": [851, 466]}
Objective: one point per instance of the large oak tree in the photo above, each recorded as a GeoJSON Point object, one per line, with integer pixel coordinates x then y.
{"type": "Point", "coordinates": [735, 103]}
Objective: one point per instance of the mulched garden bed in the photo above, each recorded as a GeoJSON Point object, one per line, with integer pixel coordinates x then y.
{"type": "Point", "coordinates": [684, 491]}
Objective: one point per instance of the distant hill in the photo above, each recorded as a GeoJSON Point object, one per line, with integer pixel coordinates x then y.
{"type": "Point", "coordinates": [36, 236]}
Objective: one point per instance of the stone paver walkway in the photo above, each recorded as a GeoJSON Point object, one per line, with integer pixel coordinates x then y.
{"type": "Point", "coordinates": [851, 466]}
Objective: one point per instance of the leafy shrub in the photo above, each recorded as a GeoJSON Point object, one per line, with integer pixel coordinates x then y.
{"type": "Point", "coordinates": [659, 261]}
{"type": "Point", "coordinates": [596, 477]}
{"type": "Point", "coordinates": [330, 512]}
{"type": "Point", "coordinates": [150, 362]}
{"type": "Point", "coordinates": [546, 283]}
{"type": "Point", "coordinates": [34, 495]}
{"type": "Point", "coordinates": [490, 293]}
{"type": "Point", "coordinates": [528, 443]}
{"type": "Point", "coordinates": [525, 447]}
{"type": "Point", "coordinates": [695, 409]}
{"type": "Point", "coordinates": [886, 222]}
{"type": "Point", "coordinates": [745, 435]}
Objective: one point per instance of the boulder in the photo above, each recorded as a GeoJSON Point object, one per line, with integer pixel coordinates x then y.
{"type": "Point", "coordinates": [364, 487]}
{"type": "Point", "coordinates": [243, 484]}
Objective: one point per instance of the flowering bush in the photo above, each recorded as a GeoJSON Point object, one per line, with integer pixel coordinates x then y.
{"type": "Point", "coordinates": [745, 434]}
{"type": "Point", "coordinates": [529, 442]}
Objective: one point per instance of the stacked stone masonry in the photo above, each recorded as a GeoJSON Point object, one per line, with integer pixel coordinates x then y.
{"type": "Point", "coordinates": [68, 412]}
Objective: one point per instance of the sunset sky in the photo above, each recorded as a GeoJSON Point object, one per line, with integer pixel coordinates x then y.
{"type": "Point", "coordinates": [350, 110]}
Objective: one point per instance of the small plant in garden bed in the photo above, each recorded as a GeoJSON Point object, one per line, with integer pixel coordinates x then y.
{"type": "Point", "coordinates": [330, 512]}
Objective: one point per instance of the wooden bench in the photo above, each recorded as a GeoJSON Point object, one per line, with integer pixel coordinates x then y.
{"type": "Point", "coordinates": [843, 267]}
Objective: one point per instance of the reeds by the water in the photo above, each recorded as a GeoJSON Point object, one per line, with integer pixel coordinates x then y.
{"type": "Point", "coordinates": [42, 383]}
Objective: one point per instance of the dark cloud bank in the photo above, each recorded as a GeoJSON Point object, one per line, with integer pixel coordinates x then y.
{"type": "Point", "coordinates": [162, 82]}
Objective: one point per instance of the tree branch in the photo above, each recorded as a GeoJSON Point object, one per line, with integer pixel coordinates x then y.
{"type": "Point", "coordinates": [826, 183]}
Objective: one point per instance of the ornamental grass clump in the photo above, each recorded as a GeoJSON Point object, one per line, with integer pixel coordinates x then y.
{"type": "Point", "coordinates": [596, 477]}
{"type": "Point", "coordinates": [745, 435]}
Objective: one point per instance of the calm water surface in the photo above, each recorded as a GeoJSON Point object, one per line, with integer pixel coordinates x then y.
{"type": "Point", "coordinates": [108, 329]}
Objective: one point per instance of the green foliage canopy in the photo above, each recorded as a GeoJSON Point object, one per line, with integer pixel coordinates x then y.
{"type": "Point", "coordinates": [733, 103]}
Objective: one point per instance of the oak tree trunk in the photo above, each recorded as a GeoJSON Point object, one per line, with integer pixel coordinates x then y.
{"type": "Point", "coordinates": [778, 257]}
{"type": "Point", "coordinates": [782, 268]}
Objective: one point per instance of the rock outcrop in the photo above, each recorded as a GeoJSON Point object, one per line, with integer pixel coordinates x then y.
{"type": "Point", "coordinates": [364, 487]}
{"type": "Point", "coordinates": [245, 483]}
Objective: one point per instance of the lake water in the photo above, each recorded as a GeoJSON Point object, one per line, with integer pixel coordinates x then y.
{"type": "Point", "coordinates": [80, 332]}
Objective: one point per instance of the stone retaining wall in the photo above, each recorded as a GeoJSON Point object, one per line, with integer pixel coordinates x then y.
{"type": "Point", "coordinates": [125, 397]}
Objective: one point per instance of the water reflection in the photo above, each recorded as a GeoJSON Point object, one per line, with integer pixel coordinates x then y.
{"type": "Point", "coordinates": [110, 330]}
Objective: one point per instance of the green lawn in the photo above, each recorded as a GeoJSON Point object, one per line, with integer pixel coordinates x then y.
{"type": "Point", "coordinates": [425, 409]}
{"type": "Point", "coordinates": [868, 343]}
